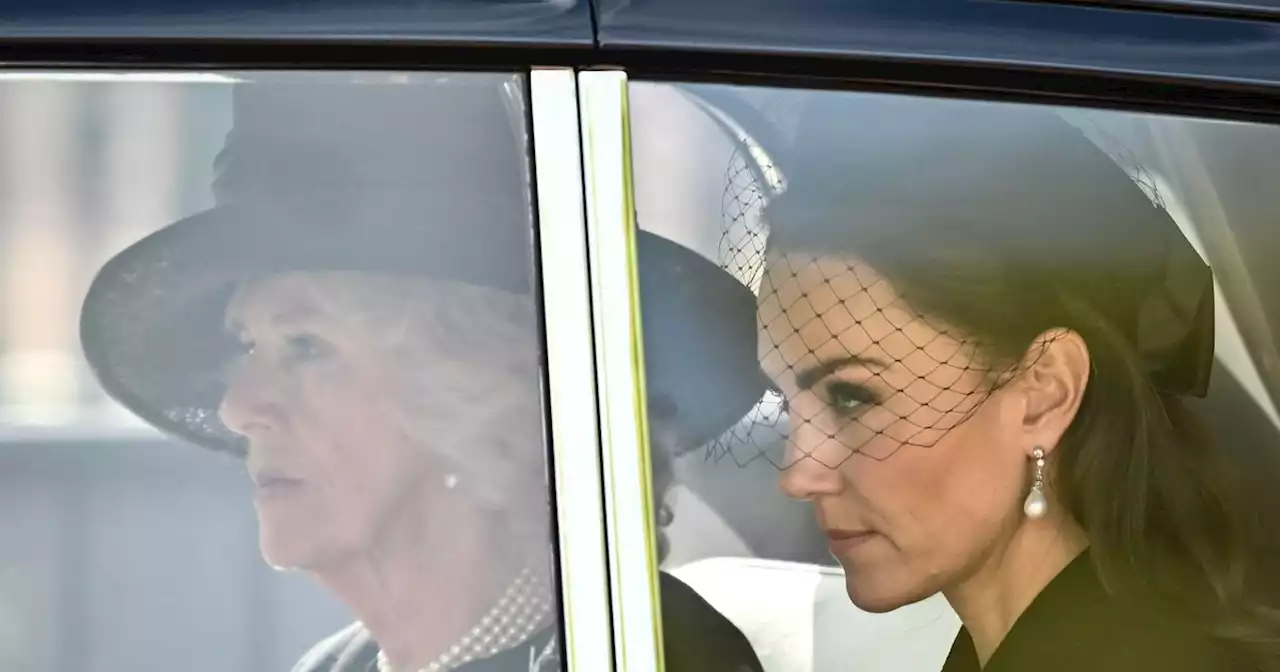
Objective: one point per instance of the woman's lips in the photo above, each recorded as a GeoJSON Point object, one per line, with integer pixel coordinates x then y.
{"type": "Point", "coordinates": [274, 484]}
{"type": "Point", "coordinates": [841, 541]}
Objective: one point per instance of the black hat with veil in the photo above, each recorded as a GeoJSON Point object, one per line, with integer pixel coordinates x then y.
{"type": "Point", "coordinates": [843, 190]}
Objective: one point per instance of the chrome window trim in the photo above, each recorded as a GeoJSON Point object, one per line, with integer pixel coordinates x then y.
{"type": "Point", "coordinates": [619, 369]}
{"type": "Point", "coordinates": [571, 376]}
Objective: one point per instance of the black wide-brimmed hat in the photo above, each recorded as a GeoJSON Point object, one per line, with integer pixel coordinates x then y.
{"type": "Point", "coordinates": [422, 175]}
{"type": "Point", "coordinates": [900, 177]}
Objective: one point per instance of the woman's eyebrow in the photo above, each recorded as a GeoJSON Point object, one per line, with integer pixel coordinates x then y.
{"type": "Point", "coordinates": [809, 376]}
{"type": "Point", "coordinates": [293, 315]}
{"type": "Point", "coordinates": [288, 316]}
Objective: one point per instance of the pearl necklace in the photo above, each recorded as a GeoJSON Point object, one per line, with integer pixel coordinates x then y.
{"type": "Point", "coordinates": [521, 612]}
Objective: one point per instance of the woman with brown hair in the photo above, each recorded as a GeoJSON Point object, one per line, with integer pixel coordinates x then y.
{"type": "Point", "coordinates": [983, 331]}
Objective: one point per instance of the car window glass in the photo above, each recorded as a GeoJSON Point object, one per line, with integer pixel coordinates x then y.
{"type": "Point", "coordinates": [270, 373]}
{"type": "Point", "coordinates": [802, 197]}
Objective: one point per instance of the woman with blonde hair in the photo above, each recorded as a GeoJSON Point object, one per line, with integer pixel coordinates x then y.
{"type": "Point", "coordinates": [356, 318]}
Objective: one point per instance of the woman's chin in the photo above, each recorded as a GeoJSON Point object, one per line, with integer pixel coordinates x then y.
{"type": "Point", "coordinates": [880, 595]}
{"type": "Point", "coordinates": [288, 548]}
{"type": "Point", "coordinates": [282, 553]}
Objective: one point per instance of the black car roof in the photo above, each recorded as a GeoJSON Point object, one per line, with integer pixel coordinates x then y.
{"type": "Point", "coordinates": [1233, 42]}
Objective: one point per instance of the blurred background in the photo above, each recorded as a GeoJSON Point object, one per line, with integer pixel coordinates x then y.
{"type": "Point", "coordinates": [119, 549]}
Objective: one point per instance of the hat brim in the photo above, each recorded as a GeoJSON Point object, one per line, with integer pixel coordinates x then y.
{"type": "Point", "coordinates": [152, 330]}
{"type": "Point", "coordinates": [699, 327]}
{"type": "Point", "coordinates": [152, 325]}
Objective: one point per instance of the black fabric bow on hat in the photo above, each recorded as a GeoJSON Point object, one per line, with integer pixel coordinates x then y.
{"type": "Point", "coordinates": [428, 178]}
{"type": "Point", "coordinates": [898, 175]}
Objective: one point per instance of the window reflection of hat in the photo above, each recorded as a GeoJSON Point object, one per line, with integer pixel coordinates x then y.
{"type": "Point", "coordinates": [426, 178]}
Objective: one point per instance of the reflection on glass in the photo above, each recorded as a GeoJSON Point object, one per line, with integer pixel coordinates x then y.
{"type": "Point", "coordinates": [354, 316]}
{"type": "Point", "coordinates": [990, 334]}
{"type": "Point", "coordinates": [108, 531]}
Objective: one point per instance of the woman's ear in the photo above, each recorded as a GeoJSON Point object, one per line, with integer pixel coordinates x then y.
{"type": "Point", "coordinates": [1055, 373]}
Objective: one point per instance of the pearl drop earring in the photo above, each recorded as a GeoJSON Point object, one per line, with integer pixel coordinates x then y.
{"type": "Point", "coordinates": [1037, 504]}
{"type": "Point", "coordinates": [450, 481]}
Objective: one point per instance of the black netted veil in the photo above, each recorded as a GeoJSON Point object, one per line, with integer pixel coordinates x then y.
{"type": "Point", "coordinates": [877, 188]}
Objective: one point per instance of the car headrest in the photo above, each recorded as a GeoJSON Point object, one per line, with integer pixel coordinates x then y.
{"type": "Point", "coordinates": [798, 618]}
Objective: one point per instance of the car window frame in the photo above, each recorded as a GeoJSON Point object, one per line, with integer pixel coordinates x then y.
{"type": "Point", "coordinates": [587, 405]}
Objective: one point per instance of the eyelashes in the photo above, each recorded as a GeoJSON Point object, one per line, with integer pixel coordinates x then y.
{"type": "Point", "coordinates": [842, 397]}
{"type": "Point", "coordinates": [304, 348]}
{"type": "Point", "coordinates": [847, 398]}
{"type": "Point", "coordinates": [296, 348]}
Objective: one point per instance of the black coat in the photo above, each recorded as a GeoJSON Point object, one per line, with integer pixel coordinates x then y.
{"type": "Point", "coordinates": [696, 638]}
{"type": "Point", "coordinates": [1073, 625]}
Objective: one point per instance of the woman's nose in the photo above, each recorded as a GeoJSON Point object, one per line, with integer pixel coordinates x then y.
{"type": "Point", "coordinates": [250, 405]}
{"type": "Point", "coordinates": [810, 470]}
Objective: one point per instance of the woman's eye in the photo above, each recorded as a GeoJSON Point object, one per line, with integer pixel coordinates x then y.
{"type": "Point", "coordinates": [303, 347]}
{"type": "Point", "coordinates": [847, 397]}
